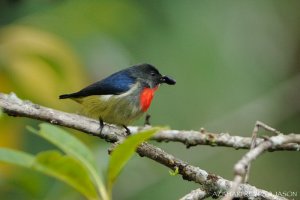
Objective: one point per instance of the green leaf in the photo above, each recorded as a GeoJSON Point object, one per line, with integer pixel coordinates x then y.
{"type": "Point", "coordinates": [66, 169]}
{"type": "Point", "coordinates": [65, 141]}
{"type": "Point", "coordinates": [54, 164]}
{"type": "Point", "coordinates": [73, 147]}
{"type": "Point", "coordinates": [123, 152]}
{"type": "Point", "coordinates": [16, 157]}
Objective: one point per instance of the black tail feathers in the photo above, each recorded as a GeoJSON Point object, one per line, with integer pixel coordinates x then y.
{"type": "Point", "coordinates": [65, 96]}
{"type": "Point", "coordinates": [72, 95]}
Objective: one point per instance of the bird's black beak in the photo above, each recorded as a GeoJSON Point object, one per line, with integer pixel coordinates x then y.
{"type": "Point", "coordinates": [168, 80]}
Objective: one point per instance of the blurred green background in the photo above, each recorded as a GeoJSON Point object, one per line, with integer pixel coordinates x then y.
{"type": "Point", "coordinates": [235, 62]}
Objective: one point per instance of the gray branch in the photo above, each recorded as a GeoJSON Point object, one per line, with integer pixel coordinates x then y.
{"type": "Point", "coordinates": [193, 138]}
{"type": "Point", "coordinates": [212, 184]}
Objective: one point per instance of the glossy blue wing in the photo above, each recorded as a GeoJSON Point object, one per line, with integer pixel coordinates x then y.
{"type": "Point", "coordinates": [117, 83]}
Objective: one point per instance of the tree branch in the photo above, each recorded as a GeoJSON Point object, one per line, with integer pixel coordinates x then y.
{"type": "Point", "coordinates": [189, 138]}
{"type": "Point", "coordinates": [212, 184]}
{"type": "Point", "coordinates": [193, 138]}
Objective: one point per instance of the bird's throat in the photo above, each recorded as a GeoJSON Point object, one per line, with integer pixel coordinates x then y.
{"type": "Point", "coordinates": [146, 97]}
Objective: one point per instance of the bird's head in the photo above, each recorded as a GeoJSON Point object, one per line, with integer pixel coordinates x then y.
{"type": "Point", "coordinates": [149, 75]}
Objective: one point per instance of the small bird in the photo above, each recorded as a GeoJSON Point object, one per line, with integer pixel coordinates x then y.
{"type": "Point", "coordinates": [122, 97]}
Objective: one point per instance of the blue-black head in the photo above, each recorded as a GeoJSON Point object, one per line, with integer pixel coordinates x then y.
{"type": "Point", "coordinates": [149, 75]}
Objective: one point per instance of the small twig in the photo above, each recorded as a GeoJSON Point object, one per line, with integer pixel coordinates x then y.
{"type": "Point", "coordinates": [253, 145]}
{"type": "Point", "coordinates": [258, 124]}
{"type": "Point", "coordinates": [197, 194]}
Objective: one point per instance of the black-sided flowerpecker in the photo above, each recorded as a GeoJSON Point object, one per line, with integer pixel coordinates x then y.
{"type": "Point", "coordinates": [122, 97]}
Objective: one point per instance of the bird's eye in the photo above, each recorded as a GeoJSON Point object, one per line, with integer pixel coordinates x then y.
{"type": "Point", "coordinates": [152, 74]}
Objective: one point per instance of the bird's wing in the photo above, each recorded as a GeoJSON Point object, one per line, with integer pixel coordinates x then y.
{"type": "Point", "coordinates": [115, 84]}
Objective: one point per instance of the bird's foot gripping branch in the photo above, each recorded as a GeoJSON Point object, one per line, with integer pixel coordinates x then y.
{"type": "Point", "coordinates": [211, 184]}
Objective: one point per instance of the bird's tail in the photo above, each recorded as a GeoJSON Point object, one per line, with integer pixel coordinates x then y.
{"type": "Point", "coordinates": [65, 96]}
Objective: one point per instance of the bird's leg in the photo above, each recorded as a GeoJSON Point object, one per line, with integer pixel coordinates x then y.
{"type": "Point", "coordinates": [147, 120]}
{"type": "Point", "coordinates": [101, 124]}
{"type": "Point", "coordinates": [127, 130]}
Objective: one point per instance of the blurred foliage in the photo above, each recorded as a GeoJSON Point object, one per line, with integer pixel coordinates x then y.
{"type": "Point", "coordinates": [235, 62]}
{"type": "Point", "coordinates": [73, 168]}
{"type": "Point", "coordinates": [77, 166]}
{"type": "Point", "coordinates": [34, 62]}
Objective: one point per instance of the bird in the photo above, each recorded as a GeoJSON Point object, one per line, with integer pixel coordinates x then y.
{"type": "Point", "coordinates": [122, 97]}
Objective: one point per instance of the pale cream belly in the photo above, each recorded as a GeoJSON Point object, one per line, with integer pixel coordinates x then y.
{"type": "Point", "coordinates": [111, 108]}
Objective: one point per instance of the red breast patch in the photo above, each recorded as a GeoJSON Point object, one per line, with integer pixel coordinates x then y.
{"type": "Point", "coordinates": [146, 97]}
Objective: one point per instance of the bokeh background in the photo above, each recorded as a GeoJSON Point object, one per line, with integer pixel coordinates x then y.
{"type": "Point", "coordinates": [235, 62]}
